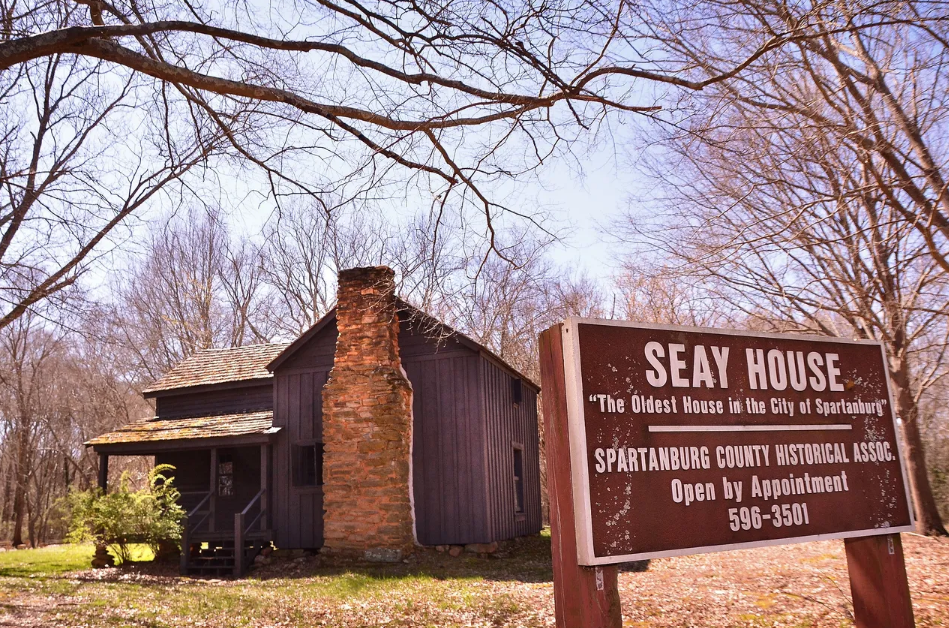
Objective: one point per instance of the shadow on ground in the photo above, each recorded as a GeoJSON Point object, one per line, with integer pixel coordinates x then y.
{"type": "Point", "coordinates": [527, 561]}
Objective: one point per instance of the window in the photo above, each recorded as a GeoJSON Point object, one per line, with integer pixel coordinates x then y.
{"type": "Point", "coordinates": [518, 479]}
{"type": "Point", "coordinates": [516, 390]}
{"type": "Point", "coordinates": [307, 464]}
{"type": "Point", "coordinates": [225, 476]}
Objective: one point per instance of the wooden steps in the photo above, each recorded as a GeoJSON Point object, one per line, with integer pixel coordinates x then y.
{"type": "Point", "coordinates": [209, 552]}
{"type": "Point", "coordinates": [216, 558]}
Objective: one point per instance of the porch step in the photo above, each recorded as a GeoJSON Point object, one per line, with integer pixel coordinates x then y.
{"type": "Point", "coordinates": [207, 570]}
{"type": "Point", "coordinates": [218, 558]}
{"type": "Point", "coordinates": [227, 536]}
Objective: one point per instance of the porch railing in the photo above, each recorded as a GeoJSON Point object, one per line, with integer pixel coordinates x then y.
{"type": "Point", "coordinates": [242, 529]}
{"type": "Point", "coordinates": [192, 521]}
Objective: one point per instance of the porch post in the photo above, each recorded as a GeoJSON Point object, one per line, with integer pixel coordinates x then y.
{"type": "Point", "coordinates": [212, 502]}
{"type": "Point", "coordinates": [101, 558]}
{"type": "Point", "coordinates": [104, 472]}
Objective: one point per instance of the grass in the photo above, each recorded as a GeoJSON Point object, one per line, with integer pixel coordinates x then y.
{"type": "Point", "coordinates": [53, 587]}
{"type": "Point", "coordinates": [46, 561]}
{"type": "Point", "coordinates": [436, 591]}
{"type": "Point", "coordinates": [56, 559]}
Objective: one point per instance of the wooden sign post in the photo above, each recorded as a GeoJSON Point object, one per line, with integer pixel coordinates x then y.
{"type": "Point", "coordinates": [666, 441]}
{"type": "Point", "coordinates": [878, 582]}
{"type": "Point", "coordinates": [585, 597]}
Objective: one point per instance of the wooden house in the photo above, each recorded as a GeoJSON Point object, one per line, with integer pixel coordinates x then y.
{"type": "Point", "coordinates": [266, 452]}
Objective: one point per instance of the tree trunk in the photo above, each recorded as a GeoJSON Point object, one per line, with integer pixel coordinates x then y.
{"type": "Point", "coordinates": [31, 523]}
{"type": "Point", "coordinates": [21, 471]}
{"type": "Point", "coordinates": [7, 514]}
{"type": "Point", "coordinates": [928, 521]}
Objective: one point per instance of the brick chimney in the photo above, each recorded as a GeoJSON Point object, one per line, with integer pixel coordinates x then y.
{"type": "Point", "coordinates": [367, 425]}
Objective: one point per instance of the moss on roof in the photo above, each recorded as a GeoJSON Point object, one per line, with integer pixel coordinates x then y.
{"type": "Point", "coordinates": [155, 429]}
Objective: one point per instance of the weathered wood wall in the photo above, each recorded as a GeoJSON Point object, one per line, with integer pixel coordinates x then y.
{"type": "Point", "coordinates": [465, 426]}
{"type": "Point", "coordinates": [249, 398]}
{"type": "Point", "coordinates": [192, 469]}
{"type": "Point", "coordinates": [298, 511]}
{"type": "Point", "coordinates": [448, 457]}
{"type": "Point", "coordinates": [507, 424]}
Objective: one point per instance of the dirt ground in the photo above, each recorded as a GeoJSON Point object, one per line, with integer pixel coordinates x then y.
{"type": "Point", "coordinates": [794, 585]}
{"type": "Point", "coordinates": [789, 585]}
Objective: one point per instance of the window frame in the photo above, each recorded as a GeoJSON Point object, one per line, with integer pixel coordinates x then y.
{"type": "Point", "coordinates": [224, 476]}
{"type": "Point", "coordinates": [517, 391]}
{"type": "Point", "coordinates": [520, 493]}
{"type": "Point", "coordinates": [296, 464]}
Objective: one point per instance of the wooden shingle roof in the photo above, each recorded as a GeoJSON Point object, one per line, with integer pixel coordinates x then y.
{"type": "Point", "coordinates": [220, 426]}
{"type": "Point", "coordinates": [217, 366]}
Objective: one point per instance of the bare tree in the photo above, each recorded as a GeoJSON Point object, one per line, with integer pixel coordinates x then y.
{"type": "Point", "coordinates": [505, 307]}
{"type": "Point", "coordinates": [26, 350]}
{"type": "Point", "coordinates": [305, 250]}
{"type": "Point", "coordinates": [435, 100]}
{"type": "Point", "coordinates": [57, 390]}
{"type": "Point", "coordinates": [651, 295]}
{"type": "Point", "coordinates": [75, 164]}
{"type": "Point", "coordinates": [30, 357]}
{"type": "Point", "coordinates": [799, 228]}
{"type": "Point", "coordinates": [195, 288]}
{"type": "Point", "coordinates": [872, 77]}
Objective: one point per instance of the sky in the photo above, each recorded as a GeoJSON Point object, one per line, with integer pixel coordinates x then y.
{"type": "Point", "coordinates": [580, 205]}
{"type": "Point", "coordinates": [587, 204]}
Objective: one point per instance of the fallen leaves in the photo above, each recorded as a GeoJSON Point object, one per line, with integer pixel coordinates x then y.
{"type": "Point", "coordinates": [783, 586]}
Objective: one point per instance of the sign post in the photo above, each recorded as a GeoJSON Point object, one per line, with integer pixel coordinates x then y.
{"type": "Point", "coordinates": [666, 441]}
{"type": "Point", "coordinates": [878, 582]}
{"type": "Point", "coordinates": [583, 596]}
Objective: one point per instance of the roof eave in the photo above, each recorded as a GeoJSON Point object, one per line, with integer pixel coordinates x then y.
{"type": "Point", "coordinates": [137, 448]}
{"type": "Point", "coordinates": [304, 338]}
{"type": "Point", "coordinates": [152, 393]}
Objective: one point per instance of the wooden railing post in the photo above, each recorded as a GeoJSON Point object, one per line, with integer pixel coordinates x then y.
{"type": "Point", "coordinates": [264, 485]}
{"type": "Point", "coordinates": [238, 545]}
{"type": "Point", "coordinates": [213, 500]}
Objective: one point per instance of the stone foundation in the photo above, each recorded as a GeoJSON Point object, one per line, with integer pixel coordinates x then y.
{"type": "Point", "coordinates": [367, 425]}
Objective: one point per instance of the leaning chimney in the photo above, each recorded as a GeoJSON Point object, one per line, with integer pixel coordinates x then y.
{"type": "Point", "coordinates": [367, 425]}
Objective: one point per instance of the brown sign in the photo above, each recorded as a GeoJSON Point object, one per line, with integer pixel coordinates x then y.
{"type": "Point", "coordinates": [688, 440]}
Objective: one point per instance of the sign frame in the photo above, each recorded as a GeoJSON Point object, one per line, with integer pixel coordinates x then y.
{"type": "Point", "coordinates": [578, 445]}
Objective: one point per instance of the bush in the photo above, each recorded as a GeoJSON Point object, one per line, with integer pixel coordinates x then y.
{"type": "Point", "coordinates": [125, 516]}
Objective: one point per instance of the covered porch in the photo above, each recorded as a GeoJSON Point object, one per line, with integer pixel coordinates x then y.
{"type": "Point", "coordinates": [223, 471]}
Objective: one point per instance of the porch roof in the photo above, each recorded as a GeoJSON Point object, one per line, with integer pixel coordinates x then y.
{"type": "Point", "coordinates": [155, 430]}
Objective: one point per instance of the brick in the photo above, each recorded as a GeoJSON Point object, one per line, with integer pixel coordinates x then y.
{"type": "Point", "coordinates": [367, 424]}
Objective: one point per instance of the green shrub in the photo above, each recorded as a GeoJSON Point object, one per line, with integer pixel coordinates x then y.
{"type": "Point", "coordinates": [124, 516]}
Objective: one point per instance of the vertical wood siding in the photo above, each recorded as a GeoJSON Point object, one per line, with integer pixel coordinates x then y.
{"type": "Point", "coordinates": [318, 352]}
{"type": "Point", "coordinates": [448, 454]}
{"type": "Point", "coordinates": [506, 424]}
{"type": "Point", "coordinates": [192, 468]}
{"type": "Point", "coordinates": [298, 409]}
{"type": "Point", "coordinates": [465, 424]}
{"type": "Point", "coordinates": [250, 398]}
